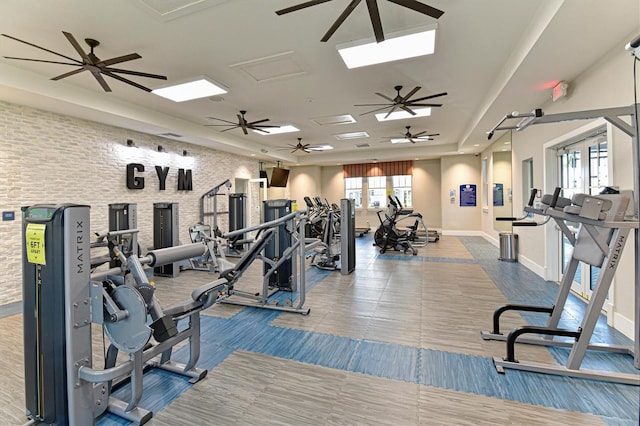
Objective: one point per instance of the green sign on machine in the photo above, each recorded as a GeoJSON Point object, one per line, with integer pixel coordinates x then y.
{"type": "Point", "coordinates": [40, 213]}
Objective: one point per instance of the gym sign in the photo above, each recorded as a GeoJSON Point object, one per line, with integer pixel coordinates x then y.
{"type": "Point", "coordinates": [185, 182]}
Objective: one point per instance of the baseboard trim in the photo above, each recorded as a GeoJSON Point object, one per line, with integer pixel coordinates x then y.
{"type": "Point", "coordinates": [532, 266]}
{"type": "Point", "coordinates": [10, 309]}
{"type": "Point", "coordinates": [623, 325]}
{"type": "Point", "coordinates": [490, 239]}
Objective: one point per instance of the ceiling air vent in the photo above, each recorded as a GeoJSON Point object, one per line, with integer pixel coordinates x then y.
{"type": "Point", "coordinates": [363, 145]}
{"type": "Point", "coordinates": [170, 135]}
{"type": "Point", "coordinates": [334, 120]}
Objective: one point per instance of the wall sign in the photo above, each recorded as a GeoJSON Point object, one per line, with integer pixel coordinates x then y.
{"type": "Point", "coordinates": [467, 195]}
{"type": "Point", "coordinates": [185, 181]}
{"type": "Point", "coordinates": [498, 194]}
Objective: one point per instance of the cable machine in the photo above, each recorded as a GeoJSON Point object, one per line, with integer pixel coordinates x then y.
{"type": "Point", "coordinates": [600, 241]}
{"type": "Point", "coordinates": [209, 206]}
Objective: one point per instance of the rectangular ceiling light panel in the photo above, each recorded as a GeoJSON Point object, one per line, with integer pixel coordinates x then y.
{"type": "Point", "coordinates": [320, 148]}
{"type": "Point", "coordinates": [401, 114]}
{"type": "Point", "coordinates": [417, 43]}
{"type": "Point", "coordinates": [351, 135]}
{"type": "Point", "coordinates": [198, 87]}
{"type": "Point", "coordinates": [278, 130]}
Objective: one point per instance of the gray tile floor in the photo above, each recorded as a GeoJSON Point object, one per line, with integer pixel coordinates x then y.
{"type": "Point", "coordinates": [397, 342]}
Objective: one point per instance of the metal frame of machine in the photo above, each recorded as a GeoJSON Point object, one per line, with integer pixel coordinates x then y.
{"type": "Point", "coordinates": [608, 238]}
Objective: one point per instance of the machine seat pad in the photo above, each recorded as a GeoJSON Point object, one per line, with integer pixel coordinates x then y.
{"type": "Point", "coordinates": [560, 204]}
{"type": "Point", "coordinates": [576, 210]}
{"type": "Point", "coordinates": [579, 199]}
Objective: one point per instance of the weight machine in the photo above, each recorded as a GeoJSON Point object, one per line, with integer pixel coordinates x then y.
{"type": "Point", "coordinates": [209, 205]}
{"type": "Point", "coordinates": [334, 247]}
{"type": "Point", "coordinates": [62, 298]}
{"type": "Point", "coordinates": [214, 259]}
{"type": "Point", "coordinates": [600, 240]}
{"type": "Point", "coordinates": [284, 263]}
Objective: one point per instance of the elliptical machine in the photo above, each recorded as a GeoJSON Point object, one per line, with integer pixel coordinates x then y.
{"type": "Point", "coordinates": [388, 235]}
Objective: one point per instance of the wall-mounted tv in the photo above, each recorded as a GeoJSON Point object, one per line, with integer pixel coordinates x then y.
{"type": "Point", "coordinates": [279, 177]}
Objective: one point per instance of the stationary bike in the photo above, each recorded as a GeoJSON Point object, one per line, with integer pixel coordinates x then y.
{"type": "Point", "coordinates": [388, 235]}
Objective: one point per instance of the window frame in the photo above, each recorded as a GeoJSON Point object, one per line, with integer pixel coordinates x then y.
{"type": "Point", "coordinates": [354, 189]}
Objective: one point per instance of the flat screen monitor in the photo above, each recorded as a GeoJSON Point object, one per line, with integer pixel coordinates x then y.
{"type": "Point", "coordinates": [279, 177]}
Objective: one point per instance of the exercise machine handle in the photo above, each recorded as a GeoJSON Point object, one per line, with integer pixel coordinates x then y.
{"type": "Point", "coordinates": [532, 197]}
{"type": "Point", "coordinates": [398, 201]}
{"type": "Point", "coordinates": [554, 200]}
{"type": "Point", "coordinates": [525, 223]}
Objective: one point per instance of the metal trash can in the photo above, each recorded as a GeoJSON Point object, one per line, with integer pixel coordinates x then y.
{"type": "Point", "coordinates": [508, 246]}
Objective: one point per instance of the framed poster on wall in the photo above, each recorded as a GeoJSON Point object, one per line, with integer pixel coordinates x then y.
{"type": "Point", "coordinates": [498, 194]}
{"type": "Point", "coordinates": [468, 195]}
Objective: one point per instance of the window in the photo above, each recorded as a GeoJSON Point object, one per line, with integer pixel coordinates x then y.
{"type": "Point", "coordinates": [583, 166]}
{"type": "Point", "coordinates": [527, 180]}
{"type": "Point", "coordinates": [353, 190]}
{"type": "Point", "coordinates": [377, 191]}
{"type": "Point", "coordinates": [485, 184]}
{"type": "Point", "coordinates": [402, 189]}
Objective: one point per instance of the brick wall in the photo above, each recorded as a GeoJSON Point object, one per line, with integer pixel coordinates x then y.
{"type": "Point", "coordinates": [51, 158]}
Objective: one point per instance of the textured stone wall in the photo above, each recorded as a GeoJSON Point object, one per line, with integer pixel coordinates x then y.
{"type": "Point", "coordinates": [51, 158]}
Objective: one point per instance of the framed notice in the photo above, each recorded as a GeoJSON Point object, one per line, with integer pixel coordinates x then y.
{"type": "Point", "coordinates": [468, 195]}
{"type": "Point", "coordinates": [498, 194]}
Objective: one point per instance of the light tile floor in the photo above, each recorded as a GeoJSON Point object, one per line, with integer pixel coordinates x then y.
{"type": "Point", "coordinates": [397, 342]}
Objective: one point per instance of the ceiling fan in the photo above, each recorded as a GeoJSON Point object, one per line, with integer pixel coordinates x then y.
{"type": "Point", "coordinates": [300, 146]}
{"type": "Point", "coordinates": [244, 124]}
{"type": "Point", "coordinates": [408, 137]}
{"type": "Point", "coordinates": [403, 102]}
{"type": "Point", "coordinates": [374, 14]}
{"type": "Point", "coordinates": [90, 62]}
{"type": "Point", "coordinates": [304, 147]}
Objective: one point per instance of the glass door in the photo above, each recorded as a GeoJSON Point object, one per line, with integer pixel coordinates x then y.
{"type": "Point", "coordinates": [584, 168]}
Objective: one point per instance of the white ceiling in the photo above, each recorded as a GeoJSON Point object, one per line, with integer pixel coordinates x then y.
{"type": "Point", "coordinates": [492, 57]}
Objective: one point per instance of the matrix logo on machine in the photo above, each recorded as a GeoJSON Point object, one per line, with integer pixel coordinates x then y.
{"type": "Point", "coordinates": [185, 182]}
{"type": "Point", "coordinates": [79, 248]}
{"type": "Point", "coordinates": [617, 250]}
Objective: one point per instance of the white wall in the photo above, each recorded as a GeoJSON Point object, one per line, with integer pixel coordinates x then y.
{"type": "Point", "coordinates": [460, 170]}
{"type": "Point", "coordinates": [607, 84]}
{"type": "Point", "coordinates": [332, 184]}
{"type": "Point", "coordinates": [427, 177]}
{"type": "Point", "coordinates": [50, 158]}
{"type": "Point", "coordinates": [305, 181]}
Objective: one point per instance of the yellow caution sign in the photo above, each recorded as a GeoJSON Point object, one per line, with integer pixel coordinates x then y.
{"type": "Point", "coordinates": [35, 243]}
{"type": "Point", "coordinates": [294, 207]}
